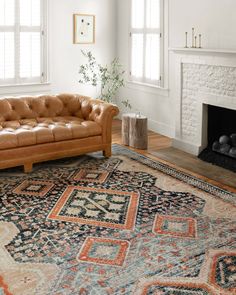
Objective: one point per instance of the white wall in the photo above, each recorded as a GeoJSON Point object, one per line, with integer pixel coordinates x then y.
{"type": "Point", "coordinates": [66, 57]}
{"type": "Point", "coordinates": [215, 19]}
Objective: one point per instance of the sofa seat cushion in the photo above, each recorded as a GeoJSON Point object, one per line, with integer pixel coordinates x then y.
{"type": "Point", "coordinates": [43, 130]}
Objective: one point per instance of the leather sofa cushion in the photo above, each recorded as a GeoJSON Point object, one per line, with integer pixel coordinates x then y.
{"type": "Point", "coordinates": [25, 132]}
{"type": "Point", "coordinates": [13, 109]}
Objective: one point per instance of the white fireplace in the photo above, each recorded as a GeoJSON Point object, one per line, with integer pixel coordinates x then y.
{"type": "Point", "coordinates": [203, 77]}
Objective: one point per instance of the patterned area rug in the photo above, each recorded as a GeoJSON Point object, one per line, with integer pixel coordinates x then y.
{"type": "Point", "coordinates": [123, 225]}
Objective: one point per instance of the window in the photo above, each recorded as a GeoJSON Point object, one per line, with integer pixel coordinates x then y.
{"type": "Point", "coordinates": [146, 61]}
{"type": "Point", "coordinates": [22, 42]}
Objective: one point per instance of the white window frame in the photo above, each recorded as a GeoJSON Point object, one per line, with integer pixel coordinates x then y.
{"type": "Point", "coordinates": [145, 31]}
{"type": "Point", "coordinates": [43, 29]}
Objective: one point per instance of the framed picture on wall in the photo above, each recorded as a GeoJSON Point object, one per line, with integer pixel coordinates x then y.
{"type": "Point", "coordinates": [84, 29]}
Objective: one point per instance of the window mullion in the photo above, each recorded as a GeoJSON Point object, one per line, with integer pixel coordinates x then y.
{"type": "Point", "coordinates": [153, 31]}
{"type": "Point", "coordinates": [5, 29]}
{"type": "Point", "coordinates": [42, 42]}
{"type": "Point", "coordinates": [161, 41]}
{"type": "Point", "coordinates": [136, 31]}
{"type": "Point", "coordinates": [17, 41]}
{"type": "Point", "coordinates": [30, 29]}
{"type": "Point", "coordinates": [144, 39]}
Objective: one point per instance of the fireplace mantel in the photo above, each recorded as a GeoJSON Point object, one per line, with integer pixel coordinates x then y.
{"type": "Point", "coordinates": [206, 51]}
{"type": "Point", "coordinates": [202, 77]}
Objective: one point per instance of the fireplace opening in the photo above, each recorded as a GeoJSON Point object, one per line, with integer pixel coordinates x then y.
{"type": "Point", "coordinates": [221, 149]}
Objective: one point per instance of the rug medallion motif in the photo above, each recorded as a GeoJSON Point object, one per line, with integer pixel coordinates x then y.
{"type": "Point", "coordinates": [91, 176]}
{"type": "Point", "coordinates": [223, 271]}
{"type": "Point", "coordinates": [124, 225]}
{"type": "Point", "coordinates": [104, 251]}
{"type": "Point", "coordinates": [33, 188]}
{"type": "Point", "coordinates": [175, 226]}
{"type": "Point", "coordinates": [99, 207]}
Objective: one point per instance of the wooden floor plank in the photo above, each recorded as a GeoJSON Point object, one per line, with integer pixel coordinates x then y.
{"type": "Point", "coordinates": [161, 147]}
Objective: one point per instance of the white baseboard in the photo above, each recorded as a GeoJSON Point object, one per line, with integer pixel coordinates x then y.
{"type": "Point", "coordinates": [186, 147]}
{"type": "Point", "coordinates": [157, 127]}
{"type": "Point", "coordinates": [161, 128]}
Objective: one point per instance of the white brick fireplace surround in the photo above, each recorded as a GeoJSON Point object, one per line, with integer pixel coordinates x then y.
{"type": "Point", "coordinates": [203, 77]}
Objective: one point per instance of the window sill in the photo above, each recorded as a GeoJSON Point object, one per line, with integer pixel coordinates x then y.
{"type": "Point", "coordinates": [25, 88]}
{"type": "Point", "coordinates": [148, 88]}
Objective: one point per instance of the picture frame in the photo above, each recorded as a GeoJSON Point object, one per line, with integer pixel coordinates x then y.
{"type": "Point", "coordinates": [84, 28]}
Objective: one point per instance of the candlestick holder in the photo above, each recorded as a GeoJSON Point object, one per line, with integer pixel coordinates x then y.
{"type": "Point", "coordinates": [195, 42]}
{"type": "Point", "coordinates": [200, 41]}
{"type": "Point", "coordinates": [193, 39]}
{"type": "Point", "coordinates": [186, 40]}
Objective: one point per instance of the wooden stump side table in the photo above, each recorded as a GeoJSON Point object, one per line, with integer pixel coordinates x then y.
{"type": "Point", "coordinates": [134, 131]}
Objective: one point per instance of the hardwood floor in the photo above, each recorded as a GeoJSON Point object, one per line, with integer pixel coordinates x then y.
{"type": "Point", "coordinates": [160, 147]}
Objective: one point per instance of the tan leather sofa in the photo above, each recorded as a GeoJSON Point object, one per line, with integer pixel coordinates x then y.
{"type": "Point", "coordinates": [35, 129]}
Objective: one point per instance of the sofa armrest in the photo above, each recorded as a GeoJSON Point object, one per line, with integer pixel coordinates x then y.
{"type": "Point", "coordinates": [102, 113]}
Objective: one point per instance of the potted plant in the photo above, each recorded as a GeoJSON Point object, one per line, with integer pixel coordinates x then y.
{"type": "Point", "coordinates": [110, 78]}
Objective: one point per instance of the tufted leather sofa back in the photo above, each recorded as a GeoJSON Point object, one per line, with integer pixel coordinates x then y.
{"type": "Point", "coordinates": [12, 109]}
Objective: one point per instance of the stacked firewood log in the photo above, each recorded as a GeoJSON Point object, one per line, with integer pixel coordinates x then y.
{"type": "Point", "coordinates": [226, 145]}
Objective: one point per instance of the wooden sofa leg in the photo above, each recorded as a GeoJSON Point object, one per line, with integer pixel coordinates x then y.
{"type": "Point", "coordinates": [28, 167]}
{"type": "Point", "coordinates": [107, 152]}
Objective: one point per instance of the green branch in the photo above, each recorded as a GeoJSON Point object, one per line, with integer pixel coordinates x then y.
{"type": "Point", "coordinates": [110, 78]}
